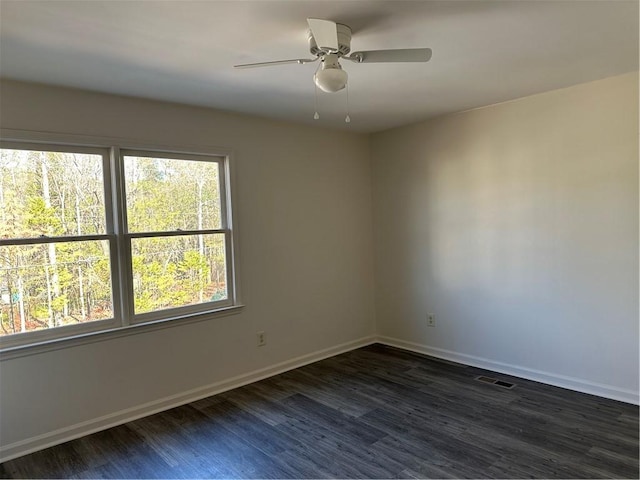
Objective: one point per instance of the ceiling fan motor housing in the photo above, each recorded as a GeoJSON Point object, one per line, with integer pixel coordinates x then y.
{"type": "Point", "coordinates": [344, 41]}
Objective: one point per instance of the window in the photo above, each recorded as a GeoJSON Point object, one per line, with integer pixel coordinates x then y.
{"type": "Point", "coordinates": [96, 239]}
{"type": "Point", "coordinates": [177, 233]}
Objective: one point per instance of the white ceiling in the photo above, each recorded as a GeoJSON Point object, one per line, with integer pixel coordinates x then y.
{"type": "Point", "coordinates": [484, 52]}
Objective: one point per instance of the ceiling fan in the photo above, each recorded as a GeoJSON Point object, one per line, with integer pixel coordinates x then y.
{"type": "Point", "coordinates": [330, 42]}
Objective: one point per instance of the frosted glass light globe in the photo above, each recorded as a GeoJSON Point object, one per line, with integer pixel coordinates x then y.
{"type": "Point", "coordinates": [331, 80]}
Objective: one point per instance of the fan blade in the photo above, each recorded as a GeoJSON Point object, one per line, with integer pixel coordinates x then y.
{"type": "Point", "coordinates": [325, 33]}
{"type": "Point", "coordinates": [383, 56]}
{"type": "Point", "coordinates": [299, 61]}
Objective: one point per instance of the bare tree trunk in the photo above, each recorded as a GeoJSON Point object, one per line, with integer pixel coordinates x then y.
{"type": "Point", "coordinates": [200, 238]}
{"type": "Point", "coordinates": [2, 210]}
{"type": "Point", "coordinates": [54, 281]}
{"type": "Point", "coordinates": [83, 309]}
{"type": "Point", "coordinates": [23, 320]}
{"type": "Point", "coordinates": [49, 307]}
{"type": "Point", "coordinates": [11, 313]}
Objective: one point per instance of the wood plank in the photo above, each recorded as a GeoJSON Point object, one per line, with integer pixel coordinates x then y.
{"type": "Point", "coordinates": [375, 412]}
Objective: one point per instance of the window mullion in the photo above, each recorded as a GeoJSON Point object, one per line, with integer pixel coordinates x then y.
{"type": "Point", "coordinates": [121, 263]}
{"type": "Point", "coordinates": [110, 209]}
{"type": "Point", "coordinates": [46, 240]}
{"type": "Point", "coordinates": [223, 191]}
{"type": "Point", "coordinates": [176, 233]}
{"type": "Point", "coordinates": [229, 267]}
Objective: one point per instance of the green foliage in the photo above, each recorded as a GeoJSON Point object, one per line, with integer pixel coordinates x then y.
{"type": "Point", "coordinates": [40, 219]}
{"type": "Point", "coordinates": [61, 194]}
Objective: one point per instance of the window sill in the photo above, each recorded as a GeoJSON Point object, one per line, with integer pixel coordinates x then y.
{"type": "Point", "coordinates": [104, 335]}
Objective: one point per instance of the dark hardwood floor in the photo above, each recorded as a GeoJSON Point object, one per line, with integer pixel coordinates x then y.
{"type": "Point", "coordinates": [375, 412]}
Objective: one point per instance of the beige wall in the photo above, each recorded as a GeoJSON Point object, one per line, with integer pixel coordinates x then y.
{"type": "Point", "coordinates": [517, 225]}
{"type": "Point", "coordinates": [303, 206]}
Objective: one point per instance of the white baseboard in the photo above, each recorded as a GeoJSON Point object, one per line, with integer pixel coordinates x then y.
{"type": "Point", "coordinates": [579, 385]}
{"type": "Point", "coordinates": [33, 444]}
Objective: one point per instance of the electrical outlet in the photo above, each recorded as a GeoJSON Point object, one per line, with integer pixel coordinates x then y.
{"type": "Point", "coordinates": [262, 339]}
{"type": "Point", "coordinates": [431, 320]}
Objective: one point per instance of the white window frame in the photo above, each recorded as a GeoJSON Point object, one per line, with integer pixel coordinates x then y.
{"type": "Point", "coordinates": [124, 320]}
{"type": "Point", "coordinates": [126, 238]}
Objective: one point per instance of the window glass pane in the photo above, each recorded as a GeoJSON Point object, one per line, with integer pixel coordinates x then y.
{"type": "Point", "coordinates": [50, 193]}
{"type": "Point", "coordinates": [169, 195]}
{"type": "Point", "coordinates": [176, 271]}
{"type": "Point", "coordinates": [50, 285]}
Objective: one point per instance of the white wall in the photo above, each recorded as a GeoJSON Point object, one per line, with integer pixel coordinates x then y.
{"type": "Point", "coordinates": [517, 225]}
{"type": "Point", "coordinates": [304, 213]}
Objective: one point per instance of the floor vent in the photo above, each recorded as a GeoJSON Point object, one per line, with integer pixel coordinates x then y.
{"type": "Point", "coordinates": [495, 381]}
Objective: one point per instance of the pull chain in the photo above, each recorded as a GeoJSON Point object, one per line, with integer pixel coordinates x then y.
{"type": "Point", "coordinates": [347, 119]}
{"type": "Point", "coordinates": [316, 115]}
